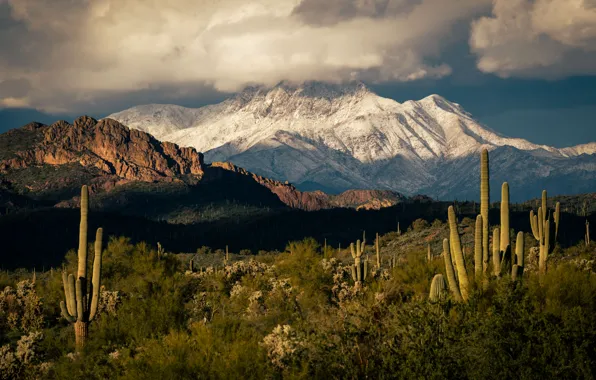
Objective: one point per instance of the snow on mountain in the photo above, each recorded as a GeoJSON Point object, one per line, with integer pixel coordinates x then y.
{"type": "Point", "coordinates": [339, 137]}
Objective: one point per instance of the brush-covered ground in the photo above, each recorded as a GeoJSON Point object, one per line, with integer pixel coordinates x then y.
{"type": "Point", "coordinates": [296, 314]}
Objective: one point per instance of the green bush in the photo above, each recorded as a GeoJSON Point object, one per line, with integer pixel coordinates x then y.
{"type": "Point", "coordinates": [420, 224]}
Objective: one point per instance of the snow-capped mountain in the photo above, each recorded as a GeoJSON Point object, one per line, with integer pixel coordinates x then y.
{"type": "Point", "coordinates": [338, 137]}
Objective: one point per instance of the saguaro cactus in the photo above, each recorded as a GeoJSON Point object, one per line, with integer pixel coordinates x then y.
{"type": "Point", "coordinates": [496, 253]}
{"type": "Point", "coordinates": [505, 239]}
{"type": "Point", "coordinates": [587, 237]}
{"type": "Point", "coordinates": [478, 263]}
{"type": "Point", "coordinates": [457, 254]}
{"type": "Point", "coordinates": [437, 288]}
{"type": "Point", "coordinates": [360, 267]}
{"type": "Point", "coordinates": [81, 302]}
{"type": "Point", "coordinates": [429, 255]}
{"type": "Point", "coordinates": [484, 201]}
{"type": "Point", "coordinates": [540, 225]}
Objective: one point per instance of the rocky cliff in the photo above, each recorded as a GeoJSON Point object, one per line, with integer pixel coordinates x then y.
{"type": "Point", "coordinates": [110, 147]}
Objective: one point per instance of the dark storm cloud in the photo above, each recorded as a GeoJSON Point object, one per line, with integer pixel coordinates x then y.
{"type": "Point", "coordinates": [331, 12]}
{"type": "Point", "coordinates": [66, 56]}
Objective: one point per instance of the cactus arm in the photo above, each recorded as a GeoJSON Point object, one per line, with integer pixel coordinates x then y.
{"type": "Point", "coordinates": [82, 269]}
{"type": "Point", "coordinates": [65, 313]}
{"type": "Point", "coordinates": [365, 270]}
{"type": "Point", "coordinates": [96, 281]}
{"type": "Point", "coordinates": [71, 295]}
{"type": "Point", "coordinates": [540, 225]}
{"type": "Point", "coordinates": [496, 252]}
{"type": "Point", "coordinates": [65, 283]}
{"type": "Point", "coordinates": [457, 253]}
{"type": "Point", "coordinates": [478, 262]}
{"type": "Point", "coordinates": [80, 303]}
{"type": "Point", "coordinates": [534, 225]}
{"type": "Point", "coordinates": [453, 286]}
{"type": "Point", "coordinates": [352, 250]}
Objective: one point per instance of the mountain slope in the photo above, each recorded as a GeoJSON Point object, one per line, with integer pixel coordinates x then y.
{"type": "Point", "coordinates": [346, 137]}
{"type": "Point", "coordinates": [131, 172]}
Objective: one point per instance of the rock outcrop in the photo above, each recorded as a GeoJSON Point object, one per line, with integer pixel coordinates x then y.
{"type": "Point", "coordinates": [110, 147]}
{"type": "Point", "coordinates": [317, 200]}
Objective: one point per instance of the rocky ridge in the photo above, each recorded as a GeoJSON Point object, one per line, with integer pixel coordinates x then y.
{"type": "Point", "coordinates": [107, 155]}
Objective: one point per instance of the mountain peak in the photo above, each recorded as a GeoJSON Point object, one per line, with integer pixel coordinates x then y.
{"type": "Point", "coordinates": [341, 136]}
{"type": "Point", "coordinates": [307, 89]}
{"type": "Point", "coordinates": [287, 99]}
{"type": "Point", "coordinates": [433, 97]}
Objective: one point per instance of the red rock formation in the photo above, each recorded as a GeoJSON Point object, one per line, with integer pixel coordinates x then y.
{"type": "Point", "coordinates": [286, 192]}
{"type": "Point", "coordinates": [111, 147]}
{"type": "Point", "coordinates": [317, 200]}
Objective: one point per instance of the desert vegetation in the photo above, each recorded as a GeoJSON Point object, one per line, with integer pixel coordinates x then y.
{"type": "Point", "coordinates": [438, 300]}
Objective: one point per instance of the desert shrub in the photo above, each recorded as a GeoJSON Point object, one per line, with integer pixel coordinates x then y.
{"type": "Point", "coordinates": [204, 250]}
{"type": "Point", "coordinates": [23, 360]}
{"type": "Point", "coordinates": [298, 315]}
{"type": "Point", "coordinates": [420, 224]}
{"type": "Point", "coordinates": [21, 308]}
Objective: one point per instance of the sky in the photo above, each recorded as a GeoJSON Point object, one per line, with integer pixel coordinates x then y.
{"type": "Point", "coordinates": [525, 68]}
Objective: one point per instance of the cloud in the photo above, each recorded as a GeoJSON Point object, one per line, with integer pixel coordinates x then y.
{"type": "Point", "coordinates": [541, 38]}
{"type": "Point", "coordinates": [73, 56]}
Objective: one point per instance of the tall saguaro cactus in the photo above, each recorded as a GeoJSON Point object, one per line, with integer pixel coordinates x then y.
{"type": "Point", "coordinates": [360, 267]}
{"type": "Point", "coordinates": [505, 238]}
{"type": "Point", "coordinates": [81, 303]}
{"type": "Point", "coordinates": [484, 202]}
